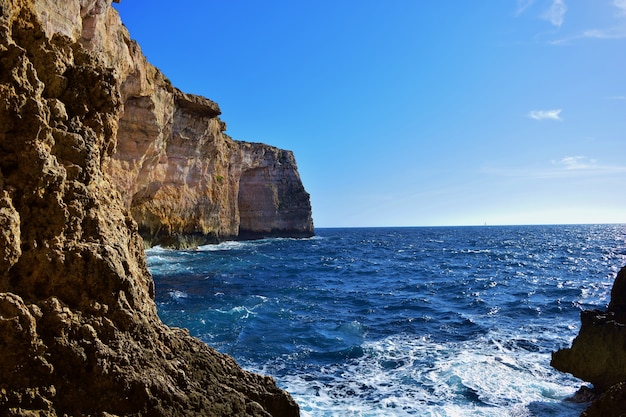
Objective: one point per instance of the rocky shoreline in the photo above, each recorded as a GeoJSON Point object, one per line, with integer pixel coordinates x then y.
{"type": "Point", "coordinates": [598, 355]}
{"type": "Point", "coordinates": [80, 331]}
{"type": "Point", "coordinates": [97, 149]}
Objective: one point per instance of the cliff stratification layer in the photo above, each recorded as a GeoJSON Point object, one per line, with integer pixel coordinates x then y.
{"type": "Point", "coordinates": [598, 353]}
{"type": "Point", "coordinates": [80, 332]}
{"type": "Point", "coordinates": [184, 180]}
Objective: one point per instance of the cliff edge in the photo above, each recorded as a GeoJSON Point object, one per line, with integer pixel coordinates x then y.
{"type": "Point", "coordinates": [80, 332]}
{"type": "Point", "coordinates": [185, 181]}
{"type": "Point", "coordinates": [598, 353]}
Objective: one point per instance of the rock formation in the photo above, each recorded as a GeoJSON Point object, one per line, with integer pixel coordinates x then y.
{"type": "Point", "coordinates": [188, 183]}
{"type": "Point", "coordinates": [80, 332]}
{"type": "Point", "coordinates": [598, 353]}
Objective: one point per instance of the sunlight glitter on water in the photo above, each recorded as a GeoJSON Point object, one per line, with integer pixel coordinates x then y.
{"type": "Point", "coordinates": [399, 322]}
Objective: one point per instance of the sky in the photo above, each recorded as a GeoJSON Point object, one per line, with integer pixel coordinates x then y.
{"type": "Point", "coordinates": [415, 112]}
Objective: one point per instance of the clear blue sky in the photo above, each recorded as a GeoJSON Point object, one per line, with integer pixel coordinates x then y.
{"type": "Point", "coordinates": [416, 112]}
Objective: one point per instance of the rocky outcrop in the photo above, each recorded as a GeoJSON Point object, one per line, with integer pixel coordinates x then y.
{"type": "Point", "coordinates": [271, 200]}
{"type": "Point", "coordinates": [598, 353]}
{"type": "Point", "coordinates": [187, 183]}
{"type": "Point", "coordinates": [184, 180]}
{"type": "Point", "coordinates": [80, 332]}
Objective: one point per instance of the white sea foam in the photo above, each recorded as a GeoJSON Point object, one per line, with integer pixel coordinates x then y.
{"type": "Point", "coordinates": [408, 376]}
{"type": "Point", "coordinates": [225, 246]}
{"type": "Point", "coordinates": [367, 323]}
{"type": "Point", "coordinates": [240, 312]}
{"type": "Point", "coordinates": [156, 249]}
{"type": "Point", "coordinates": [178, 295]}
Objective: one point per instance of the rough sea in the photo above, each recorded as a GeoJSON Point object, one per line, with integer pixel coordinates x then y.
{"type": "Point", "coordinates": [441, 321]}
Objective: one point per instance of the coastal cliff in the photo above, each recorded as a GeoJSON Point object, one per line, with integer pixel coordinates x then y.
{"type": "Point", "coordinates": [80, 331]}
{"type": "Point", "coordinates": [598, 353]}
{"type": "Point", "coordinates": [185, 181]}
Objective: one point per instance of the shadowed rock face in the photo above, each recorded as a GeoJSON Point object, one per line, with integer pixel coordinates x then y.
{"type": "Point", "coordinates": [598, 353]}
{"type": "Point", "coordinates": [80, 333]}
{"type": "Point", "coordinates": [271, 199]}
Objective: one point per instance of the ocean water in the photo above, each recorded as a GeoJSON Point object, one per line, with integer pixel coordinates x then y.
{"type": "Point", "coordinates": [443, 321]}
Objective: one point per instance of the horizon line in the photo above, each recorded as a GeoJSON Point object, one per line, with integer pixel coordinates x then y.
{"type": "Point", "coordinates": [475, 225]}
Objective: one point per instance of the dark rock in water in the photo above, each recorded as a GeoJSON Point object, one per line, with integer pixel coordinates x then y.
{"type": "Point", "coordinates": [80, 332]}
{"type": "Point", "coordinates": [583, 395]}
{"type": "Point", "coordinates": [598, 353]}
{"type": "Point", "coordinates": [618, 295]}
{"type": "Point", "coordinates": [610, 404]}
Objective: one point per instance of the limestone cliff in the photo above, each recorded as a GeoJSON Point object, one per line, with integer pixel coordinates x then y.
{"type": "Point", "coordinates": [598, 353]}
{"type": "Point", "coordinates": [80, 333]}
{"type": "Point", "coordinates": [184, 180]}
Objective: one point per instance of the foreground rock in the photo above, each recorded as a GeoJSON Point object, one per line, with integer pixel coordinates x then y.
{"type": "Point", "coordinates": [80, 333]}
{"type": "Point", "coordinates": [598, 353]}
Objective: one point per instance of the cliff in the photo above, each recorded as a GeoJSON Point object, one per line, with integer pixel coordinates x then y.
{"type": "Point", "coordinates": [80, 332]}
{"type": "Point", "coordinates": [183, 179]}
{"type": "Point", "coordinates": [598, 353]}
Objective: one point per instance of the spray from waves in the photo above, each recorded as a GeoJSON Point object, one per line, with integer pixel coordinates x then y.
{"type": "Point", "coordinates": [403, 375]}
{"type": "Point", "coordinates": [232, 245]}
{"type": "Point", "coordinates": [177, 295]}
{"type": "Point", "coordinates": [399, 322]}
{"type": "Point", "coordinates": [227, 246]}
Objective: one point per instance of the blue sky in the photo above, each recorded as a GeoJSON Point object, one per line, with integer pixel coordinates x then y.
{"type": "Point", "coordinates": [416, 112]}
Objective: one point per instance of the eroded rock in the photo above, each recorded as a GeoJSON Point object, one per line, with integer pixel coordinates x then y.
{"type": "Point", "coordinates": [187, 183]}
{"type": "Point", "coordinates": [184, 180]}
{"type": "Point", "coordinates": [598, 353]}
{"type": "Point", "coordinates": [80, 332]}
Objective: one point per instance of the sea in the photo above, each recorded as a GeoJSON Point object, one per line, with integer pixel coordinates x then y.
{"type": "Point", "coordinates": [424, 321]}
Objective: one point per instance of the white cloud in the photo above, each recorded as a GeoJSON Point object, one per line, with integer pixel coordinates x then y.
{"type": "Point", "coordinates": [617, 31]}
{"type": "Point", "coordinates": [566, 167]}
{"type": "Point", "coordinates": [545, 114]}
{"type": "Point", "coordinates": [522, 5]}
{"type": "Point", "coordinates": [556, 13]}
{"type": "Point", "coordinates": [621, 5]}
{"type": "Point", "coordinates": [576, 163]}
{"type": "Point", "coordinates": [612, 33]}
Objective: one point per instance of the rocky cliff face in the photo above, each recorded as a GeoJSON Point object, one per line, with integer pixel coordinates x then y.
{"type": "Point", "coordinates": [80, 333]}
{"type": "Point", "coordinates": [184, 180]}
{"type": "Point", "coordinates": [598, 353]}
{"type": "Point", "coordinates": [187, 183]}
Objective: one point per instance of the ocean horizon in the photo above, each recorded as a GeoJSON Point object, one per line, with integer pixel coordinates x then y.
{"type": "Point", "coordinates": [400, 321]}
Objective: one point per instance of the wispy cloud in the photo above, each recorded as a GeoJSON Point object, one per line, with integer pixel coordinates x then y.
{"type": "Point", "coordinates": [611, 33]}
{"type": "Point", "coordinates": [617, 98]}
{"type": "Point", "coordinates": [556, 13]}
{"type": "Point", "coordinates": [621, 7]}
{"type": "Point", "coordinates": [600, 34]}
{"type": "Point", "coordinates": [546, 114]}
{"type": "Point", "coordinates": [576, 163]}
{"type": "Point", "coordinates": [618, 31]}
{"type": "Point", "coordinates": [522, 5]}
{"type": "Point", "coordinates": [582, 165]}
{"type": "Point", "coordinates": [566, 167]}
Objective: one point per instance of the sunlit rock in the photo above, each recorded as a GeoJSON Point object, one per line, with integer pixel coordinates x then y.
{"type": "Point", "coordinates": [80, 332]}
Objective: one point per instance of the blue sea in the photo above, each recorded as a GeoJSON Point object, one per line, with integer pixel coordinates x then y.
{"type": "Point", "coordinates": [441, 321]}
